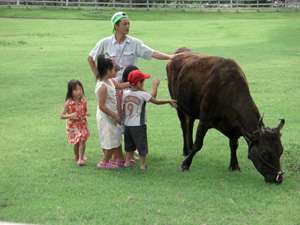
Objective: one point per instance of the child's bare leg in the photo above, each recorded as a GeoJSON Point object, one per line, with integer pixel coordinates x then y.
{"type": "Point", "coordinates": [76, 151]}
{"type": "Point", "coordinates": [107, 155]}
{"type": "Point", "coordinates": [104, 163]}
{"type": "Point", "coordinates": [128, 159]}
{"type": "Point", "coordinates": [136, 155]}
{"type": "Point", "coordinates": [81, 150]}
{"type": "Point", "coordinates": [129, 156]}
{"type": "Point", "coordinates": [113, 156]}
{"type": "Point", "coordinates": [143, 165]}
{"type": "Point", "coordinates": [117, 157]}
{"type": "Point", "coordinates": [119, 154]}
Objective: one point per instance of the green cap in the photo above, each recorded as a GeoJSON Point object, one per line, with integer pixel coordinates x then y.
{"type": "Point", "coordinates": [117, 17]}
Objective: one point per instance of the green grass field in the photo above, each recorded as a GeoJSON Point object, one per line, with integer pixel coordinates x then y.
{"type": "Point", "coordinates": [39, 182]}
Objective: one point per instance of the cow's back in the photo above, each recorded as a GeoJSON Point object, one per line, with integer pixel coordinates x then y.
{"type": "Point", "coordinates": [188, 77]}
{"type": "Point", "coordinates": [208, 86]}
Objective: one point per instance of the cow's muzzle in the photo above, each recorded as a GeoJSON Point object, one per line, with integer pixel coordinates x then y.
{"type": "Point", "coordinates": [279, 177]}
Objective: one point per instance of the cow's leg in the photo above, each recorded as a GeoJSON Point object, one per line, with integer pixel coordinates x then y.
{"type": "Point", "coordinates": [187, 125]}
{"type": "Point", "coordinates": [234, 165]}
{"type": "Point", "coordinates": [201, 131]}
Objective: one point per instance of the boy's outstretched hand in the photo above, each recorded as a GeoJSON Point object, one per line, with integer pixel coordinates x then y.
{"type": "Point", "coordinates": [155, 83]}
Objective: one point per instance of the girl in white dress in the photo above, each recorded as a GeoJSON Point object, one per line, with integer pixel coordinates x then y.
{"type": "Point", "coordinates": [108, 119]}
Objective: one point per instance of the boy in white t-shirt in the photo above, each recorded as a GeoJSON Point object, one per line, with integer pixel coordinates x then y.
{"type": "Point", "coordinates": [134, 102]}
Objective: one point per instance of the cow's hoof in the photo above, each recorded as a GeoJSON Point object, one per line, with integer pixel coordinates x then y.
{"type": "Point", "coordinates": [234, 168]}
{"type": "Point", "coordinates": [184, 167]}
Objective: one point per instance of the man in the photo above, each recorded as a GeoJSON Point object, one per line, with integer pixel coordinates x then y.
{"type": "Point", "coordinates": [124, 50]}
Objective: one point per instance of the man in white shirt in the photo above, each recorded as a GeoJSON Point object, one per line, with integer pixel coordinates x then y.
{"type": "Point", "coordinates": [124, 50]}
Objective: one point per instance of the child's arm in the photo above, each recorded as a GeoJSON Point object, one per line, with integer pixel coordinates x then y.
{"type": "Point", "coordinates": [155, 85]}
{"type": "Point", "coordinates": [172, 102]}
{"type": "Point", "coordinates": [102, 93]}
{"type": "Point", "coordinates": [65, 115]}
{"type": "Point", "coordinates": [122, 85]}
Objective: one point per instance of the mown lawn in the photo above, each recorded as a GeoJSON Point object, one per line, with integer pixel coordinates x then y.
{"type": "Point", "coordinates": [39, 182]}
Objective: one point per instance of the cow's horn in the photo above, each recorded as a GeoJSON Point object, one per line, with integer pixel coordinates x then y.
{"type": "Point", "coordinates": [280, 125]}
{"type": "Point", "coordinates": [260, 122]}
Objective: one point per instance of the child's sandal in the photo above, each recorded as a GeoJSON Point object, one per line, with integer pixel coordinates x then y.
{"type": "Point", "coordinates": [111, 165]}
{"type": "Point", "coordinates": [101, 165]}
{"type": "Point", "coordinates": [145, 168]}
{"type": "Point", "coordinates": [129, 163]}
{"type": "Point", "coordinates": [120, 163]}
{"type": "Point", "coordinates": [84, 158]}
{"type": "Point", "coordinates": [80, 162]}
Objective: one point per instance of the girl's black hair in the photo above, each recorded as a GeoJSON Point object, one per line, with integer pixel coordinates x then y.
{"type": "Point", "coordinates": [103, 65]}
{"type": "Point", "coordinates": [71, 86]}
{"type": "Point", "coordinates": [127, 70]}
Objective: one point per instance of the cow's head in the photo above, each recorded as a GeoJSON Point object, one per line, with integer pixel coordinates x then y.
{"type": "Point", "coordinates": [265, 150]}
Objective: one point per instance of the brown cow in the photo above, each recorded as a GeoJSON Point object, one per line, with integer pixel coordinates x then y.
{"type": "Point", "coordinates": [215, 91]}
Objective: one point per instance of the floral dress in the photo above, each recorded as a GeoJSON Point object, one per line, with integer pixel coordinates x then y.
{"type": "Point", "coordinates": [77, 128]}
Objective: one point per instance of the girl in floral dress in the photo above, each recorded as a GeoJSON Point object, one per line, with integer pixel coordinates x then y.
{"type": "Point", "coordinates": [75, 111]}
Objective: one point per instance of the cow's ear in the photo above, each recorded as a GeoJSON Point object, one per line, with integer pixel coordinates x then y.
{"type": "Point", "coordinates": [256, 134]}
{"type": "Point", "coordinates": [246, 135]}
{"type": "Point", "coordinates": [252, 151]}
{"type": "Point", "coordinates": [280, 125]}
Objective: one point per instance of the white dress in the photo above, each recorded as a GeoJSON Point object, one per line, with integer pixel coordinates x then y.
{"type": "Point", "coordinates": [109, 131]}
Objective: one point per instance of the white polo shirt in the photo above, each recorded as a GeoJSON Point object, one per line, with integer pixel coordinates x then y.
{"type": "Point", "coordinates": [134, 103]}
{"type": "Point", "coordinates": [124, 54]}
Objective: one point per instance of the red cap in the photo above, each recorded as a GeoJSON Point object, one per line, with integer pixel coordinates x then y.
{"type": "Point", "coordinates": [136, 75]}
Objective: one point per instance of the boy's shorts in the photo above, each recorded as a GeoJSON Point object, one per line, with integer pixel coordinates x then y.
{"type": "Point", "coordinates": [135, 137]}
